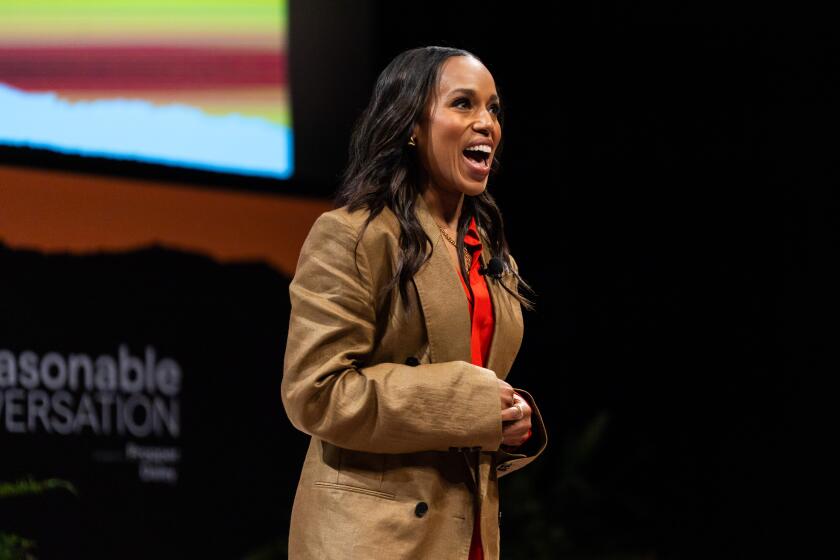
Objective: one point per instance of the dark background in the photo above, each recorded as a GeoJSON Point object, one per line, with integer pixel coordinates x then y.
{"type": "Point", "coordinates": [667, 190]}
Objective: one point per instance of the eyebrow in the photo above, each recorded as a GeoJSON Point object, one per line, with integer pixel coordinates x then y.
{"type": "Point", "coordinates": [471, 92]}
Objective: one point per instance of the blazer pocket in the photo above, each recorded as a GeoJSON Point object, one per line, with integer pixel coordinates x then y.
{"type": "Point", "coordinates": [356, 489]}
{"type": "Point", "coordinates": [359, 469]}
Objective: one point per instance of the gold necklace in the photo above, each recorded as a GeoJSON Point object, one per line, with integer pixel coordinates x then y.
{"type": "Point", "coordinates": [467, 255]}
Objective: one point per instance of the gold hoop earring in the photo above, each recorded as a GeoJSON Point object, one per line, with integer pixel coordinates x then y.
{"type": "Point", "coordinates": [412, 141]}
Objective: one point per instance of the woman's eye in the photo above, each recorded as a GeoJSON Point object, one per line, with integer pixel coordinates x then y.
{"type": "Point", "coordinates": [464, 102]}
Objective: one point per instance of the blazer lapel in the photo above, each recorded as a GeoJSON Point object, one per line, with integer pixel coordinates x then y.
{"type": "Point", "coordinates": [447, 312]}
{"type": "Point", "coordinates": [445, 307]}
{"type": "Point", "coordinates": [507, 318]}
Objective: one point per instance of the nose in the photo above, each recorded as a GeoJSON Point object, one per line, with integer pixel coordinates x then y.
{"type": "Point", "coordinates": [484, 122]}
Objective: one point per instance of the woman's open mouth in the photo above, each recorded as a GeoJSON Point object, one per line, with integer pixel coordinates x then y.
{"type": "Point", "coordinates": [478, 161]}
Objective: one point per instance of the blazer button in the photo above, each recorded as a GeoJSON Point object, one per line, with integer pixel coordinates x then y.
{"type": "Point", "coordinates": [412, 361]}
{"type": "Point", "coordinates": [420, 509]}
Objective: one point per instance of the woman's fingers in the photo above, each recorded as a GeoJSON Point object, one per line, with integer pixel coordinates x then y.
{"type": "Point", "coordinates": [518, 400]}
{"type": "Point", "coordinates": [513, 413]}
{"type": "Point", "coordinates": [517, 410]}
{"type": "Point", "coordinates": [505, 394]}
{"type": "Point", "coordinates": [518, 418]}
{"type": "Point", "coordinates": [516, 415]}
{"type": "Point", "coordinates": [516, 433]}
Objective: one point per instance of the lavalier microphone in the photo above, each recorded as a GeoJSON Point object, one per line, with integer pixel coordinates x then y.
{"type": "Point", "coordinates": [494, 268]}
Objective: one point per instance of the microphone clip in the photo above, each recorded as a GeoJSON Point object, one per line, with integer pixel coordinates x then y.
{"type": "Point", "coordinates": [494, 269]}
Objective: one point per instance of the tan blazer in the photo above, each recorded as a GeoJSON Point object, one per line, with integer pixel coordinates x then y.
{"type": "Point", "coordinates": [406, 431]}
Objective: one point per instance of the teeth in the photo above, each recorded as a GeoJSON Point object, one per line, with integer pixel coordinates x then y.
{"type": "Point", "coordinates": [480, 148]}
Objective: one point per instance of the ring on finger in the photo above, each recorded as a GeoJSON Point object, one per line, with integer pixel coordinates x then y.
{"type": "Point", "coordinates": [521, 412]}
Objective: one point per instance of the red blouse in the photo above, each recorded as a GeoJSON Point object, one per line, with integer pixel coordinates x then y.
{"type": "Point", "coordinates": [481, 310]}
{"type": "Point", "coordinates": [481, 319]}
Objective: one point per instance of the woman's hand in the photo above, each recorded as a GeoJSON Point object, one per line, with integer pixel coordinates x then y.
{"type": "Point", "coordinates": [516, 425]}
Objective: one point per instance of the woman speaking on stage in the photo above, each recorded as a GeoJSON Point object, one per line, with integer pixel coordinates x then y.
{"type": "Point", "coordinates": [406, 317]}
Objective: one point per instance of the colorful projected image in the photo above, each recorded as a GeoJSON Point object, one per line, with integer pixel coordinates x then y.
{"type": "Point", "coordinates": [189, 83]}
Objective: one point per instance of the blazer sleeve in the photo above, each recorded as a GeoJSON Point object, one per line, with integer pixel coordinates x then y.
{"type": "Point", "coordinates": [330, 389]}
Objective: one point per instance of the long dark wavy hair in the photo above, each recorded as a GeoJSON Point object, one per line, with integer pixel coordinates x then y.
{"type": "Point", "coordinates": [383, 170]}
